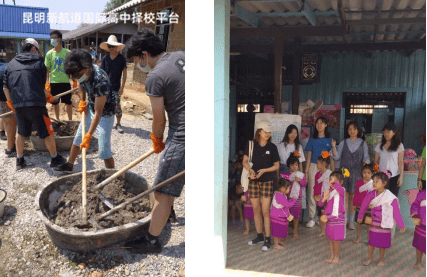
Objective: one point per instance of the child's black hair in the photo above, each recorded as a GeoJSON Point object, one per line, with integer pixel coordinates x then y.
{"type": "Point", "coordinates": [283, 182]}
{"type": "Point", "coordinates": [326, 160]}
{"type": "Point", "coordinates": [383, 177]}
{"type": "Point", "coordinates": [316, 133]}
{"type": "Point", "coordinates": [369, 167]}
{"type": "Point", "coordinates": [291, 160]}
{"type": "Point", "coordinates": [338, 174]}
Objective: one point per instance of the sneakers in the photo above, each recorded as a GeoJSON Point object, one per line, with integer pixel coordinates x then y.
{"type": "Point", "coordinates": [65, 168]}
{"type": "Point", "coordinates": [267, 244]}
{"type": "Point", "coordinates": [143, 246]}
{"type": "Point", "coordinates": [259, 239]}
{"type": "Point", "coordinates": [11, 153]}
{"type": "Point", "coordinates": [350, 225]}
{"type": "Point", "coordinates": [3, 135]}
{"type": "Point", "coordinates": [310, 224]}
{"type": "Point", "coordinates": [172, 216]}
{"type": "Point", "coordinates": [119, 128]}
{"type": "Point", "coordinates": [20, 163]}
{"type": "Point", "coordinates": [58, 160]}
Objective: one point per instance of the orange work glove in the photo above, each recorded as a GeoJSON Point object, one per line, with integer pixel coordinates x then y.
{"type": "Point", "coordinates": [50, 98]}
{"type": "Point", "coordinates": [9, 104]}
{"type": "Point", "coordinates": [158, 144]}
{"type": "Point", "coordinates": [86, 140]}
{"type": "Point", "coordinates": [74, 83]}
{"type": "Point", "coordinates": [47, 87]}
{"type": "Point", "coordinates": [82, 107]}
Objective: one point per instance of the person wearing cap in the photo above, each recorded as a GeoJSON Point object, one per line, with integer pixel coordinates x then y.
{"type": "Point", "coordinates": [389, 152]}
{"type": "Point", "coordinates": [114, 64]}
{"type": "Point", "coordinates": [57, 81]}
{"type": "Point", "coordinates": [24, 86]}
{"type": "Point", "coordinates": [99, 109]}
{"type": "Point", "coordinates": [165, 85]}
{"type": "Point", "coordinates": [8, 121]}
{"type": "Point", "coordinates": [266, 161]}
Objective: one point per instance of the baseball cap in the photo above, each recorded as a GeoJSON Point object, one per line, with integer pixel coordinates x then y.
{"type": "Point", "coordinates": [390, 126]}
{"type": "Point", "coordinates": [33, 42]}
{"type": "Point", "coordinates": [265, 125]}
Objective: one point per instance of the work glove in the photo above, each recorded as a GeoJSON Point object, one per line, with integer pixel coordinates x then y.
{"type": "Point", "coordinates": [50, 98]}
{"type": "Point", "coordinates": [9, 104]}
{"type": "Point", "coordinates": [86, 140]}
{"type": "Point", "coordinates": [82, 107]}
{"type": "Point", "coordinates": [158, 144]}
{"type": "Point", "coordinates": [47, 87]}
{"type": "Point", "coordinates": [74, 83]}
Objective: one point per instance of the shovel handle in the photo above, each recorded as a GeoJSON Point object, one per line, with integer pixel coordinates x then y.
{"type": "Point", "coordinates": [84, 185]}
{"type": "Point", "coordinates": [124, 169]}
{"type": "Point", "coordinates": [124, 204]}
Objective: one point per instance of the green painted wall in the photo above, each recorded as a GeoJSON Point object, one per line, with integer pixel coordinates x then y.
{"type": "Point", "coordinates": [382, 72]}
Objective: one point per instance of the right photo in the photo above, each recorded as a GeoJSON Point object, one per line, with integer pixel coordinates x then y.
{"type": "Point", "coordinates": [320, 134]}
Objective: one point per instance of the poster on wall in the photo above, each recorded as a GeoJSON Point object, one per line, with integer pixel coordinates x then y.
{"type": "Point", "coordinates": [280, 122]}
{"type": "Point", "coordinates": [331, 113]}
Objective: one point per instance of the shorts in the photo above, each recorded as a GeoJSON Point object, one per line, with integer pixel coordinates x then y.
{"type": "Point", "coordinates": [4, 108]}
{"type": "Point", "coordinates": [103, 130]}
{"type": "Point", "coordinates": [367, 213]}
{"type": "Point", "coordinates": [260, 189]}
{"type": "Point", "coordinates": [37, 116]}
{"type": "Point", "coordinates": [171, 162]}
{"type": "Point", "coordinates": [118, 106]}
{"type": "Point", "coordinates": [60, 88]}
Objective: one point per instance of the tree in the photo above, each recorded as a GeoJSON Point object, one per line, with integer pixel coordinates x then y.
{"type": "Point", "coordinates": [113, 4]}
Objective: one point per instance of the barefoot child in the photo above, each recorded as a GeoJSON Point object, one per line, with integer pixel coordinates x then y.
{"type": "Point", "coordinates": [335, 212]}
{"type": "Point", "coordinates": [235, 203]}
{"type": "Point", "coordinates": [418, 212]}
{"type": "Point", "coordinates": [385, 208]}
{"type": "Point", "coordinates": [321, 183]}
{"type": "Point", "coordinates": [279, 212]}
{"type": "Point", "coordinates": [299, 183]}
{"type": "Point", "coordinates": [248, 211]}
{"type": "Point", "coordinates": [363, 186]}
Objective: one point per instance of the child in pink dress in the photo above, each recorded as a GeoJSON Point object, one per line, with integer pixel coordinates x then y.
{"type": "Point", "coordinates": [363, 186]}
{"type": "Point", "coordinates": [384, 208]}
{"type": "Point", "coordinates": [248, 211]}
{"type": "Point", "coordinates": [418, 210]}
{"type": "Point", "coordinates": [321, 183]}
{"type": "Point", "coordinates": [299, 183]}
{"type": "Point", "coordinates": [335, 211]}
{"type": "Point", "coordinates": [279, 212]}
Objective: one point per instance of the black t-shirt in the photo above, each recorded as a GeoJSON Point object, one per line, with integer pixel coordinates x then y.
{"type": "Point", "coordinates": [2, 95]}
{"type": "Point", "coordinates": [264, 157]}
{"type": "Point", "coordinates": [114, 69]}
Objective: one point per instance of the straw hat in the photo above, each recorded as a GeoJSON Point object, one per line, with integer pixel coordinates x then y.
{"type": "Point", "coordinates": [112, 40]}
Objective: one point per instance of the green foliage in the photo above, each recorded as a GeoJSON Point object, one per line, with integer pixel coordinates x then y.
{"type": "Point", "coordinates": [113, 4]}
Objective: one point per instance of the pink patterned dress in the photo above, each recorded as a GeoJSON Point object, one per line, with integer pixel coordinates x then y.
{"type": "Point", "coordinates": [248, 211]}
{"type": "Point", "coordinates": [279, 213]}
{"type": "Point", "coordinates": [296, 208]}
{"type": "Point", "coordinates": [335, 226]}
{"type": "Point", "coordinates": [419, 208]}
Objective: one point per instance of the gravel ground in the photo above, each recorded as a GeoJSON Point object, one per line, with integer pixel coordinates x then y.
{"type": "Point", "coordinates": [27, 250]}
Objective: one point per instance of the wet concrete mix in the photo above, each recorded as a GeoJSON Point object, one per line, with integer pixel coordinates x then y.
{"type": "Point", "coordinates": [68, 209]}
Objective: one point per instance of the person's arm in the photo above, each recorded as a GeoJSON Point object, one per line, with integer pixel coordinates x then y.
{"type": "Point", "coordinates": [366, 158]}
{"type": "Point", "coordinates": [421, 173]}
{"type": "Point", "coordinates": [273, 168]}
{"type": "Point", "coordinates": [47, 75]}
{"type": "Point", "coordinates": [289, 203]}
{"type": "Point", "coordinates": [332, 163]}
{"type": "Point", "coordinates": [397, 215]}
{"type": "Point", "coordinates": [248, 168]}
{"type": "Point", "coordinates": [377, 154]}
{"type": "Point", "coordinates": [337, 151]}
{"type": "Point", "coordinates": [400, 158]}
{"type": "Point", "coordinates": [99, 107]}
{"type": "Point", "coordinates": [123, 81]}
{"type": "Point", "coordinates": [303, 182]}
{"type": "Point", "coordinates": [81, 92]}
{"type": "Point", "coordinates": [415, 207]}
{"type": "Point", "coordinates": [159, 119]}
{"type": "Point", "coordinates": [365, 205]}
{"type": "Point", "coordinates": [7, 94]}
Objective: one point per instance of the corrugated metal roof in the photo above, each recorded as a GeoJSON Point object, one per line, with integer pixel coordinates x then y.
{"type": "Point", "coordinates": [12, 21]}
{"type": "Point", "coordinates": [409, 16]}
{"type": "Point", "coordinates": [23, 35]}
{"type": "Point", "coordinates": [85, 30]}
{"type": "Point", "coordinates": [128, 5]}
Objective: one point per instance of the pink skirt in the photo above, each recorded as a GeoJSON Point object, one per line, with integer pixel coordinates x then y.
{"type": "Point", "coordinates": [279, 228]}
{"type": "Point", "coordinates": [248, 211]}
{"type": "Point", "coordinates": [379, 237]}
{"type": "Point", "coordinates": [295, 210]}
{"type": "Point", "coordinates": [335, 228]}
{"type": "Point", "coordinates": [419, 241]}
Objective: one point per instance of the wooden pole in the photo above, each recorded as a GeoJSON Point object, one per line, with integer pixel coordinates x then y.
{"type": "Point", "coordinates": [296, 72]}
{"type": "Point", "coordinates": [278, 56]}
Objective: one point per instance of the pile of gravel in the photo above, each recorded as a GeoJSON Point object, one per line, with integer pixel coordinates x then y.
{"type": "Point", "coordinates": [26, 249]}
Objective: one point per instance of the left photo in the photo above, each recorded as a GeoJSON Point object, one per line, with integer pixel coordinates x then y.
{"type": "Point", "coordinates": [92, 123]}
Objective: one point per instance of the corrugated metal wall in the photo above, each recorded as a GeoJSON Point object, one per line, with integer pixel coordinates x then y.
{"type": "Point", "coordinates": [11, 20]}
{"type": "Point", "coordinates": [382, 72]}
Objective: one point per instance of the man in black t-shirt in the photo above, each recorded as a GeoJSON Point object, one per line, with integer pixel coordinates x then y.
{"type": "Point", "coordinates": [114, 64]}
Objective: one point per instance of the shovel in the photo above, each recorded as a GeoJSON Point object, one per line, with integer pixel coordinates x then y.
{"type": "Point", "coordinates": [58, 121]}
{"type": "Point", "coordinates": [107, 201]}
{"type": "Point", "coordinates": [133, 199]}
{"type": "Point", "coordinates": [85, 223]}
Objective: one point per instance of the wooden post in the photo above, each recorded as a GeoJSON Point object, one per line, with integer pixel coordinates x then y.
{"type": "Point", "coordinates": [278, 56]}
{"type": "Point", "coordinates": [296, 71]}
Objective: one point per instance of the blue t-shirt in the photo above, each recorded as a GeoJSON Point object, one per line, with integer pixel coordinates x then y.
{"type": "Point", "coordinates": [316, 146]}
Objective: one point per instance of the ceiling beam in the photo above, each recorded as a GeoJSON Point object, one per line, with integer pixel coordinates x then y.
{"type": "Point", "coordinates": [285, 14]}
{"type": "Point", "coordinates": [418, 32]}
{"type": "Point", "coordinates": [301, 31]}
{"type": "Point", "coordinates": [375, 12]}
{"type": "Point", "coordinates": [377, 27]}
{"type": "Point", "coordinates": [246, 16]}
{"type": "Point", "coordinates": [387, 21]}
{"type": "Point", "coordinates": [308, 13]}
{"type": "Point", "coordinates": [341, 17]}
{"type": "Point", "coordinates": [265, 1]}
{"type": "Point", "coordinates": [338, 47]}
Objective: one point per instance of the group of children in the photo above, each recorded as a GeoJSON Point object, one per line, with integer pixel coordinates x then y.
{"type": "Point", "coordinates": [375, 205]}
